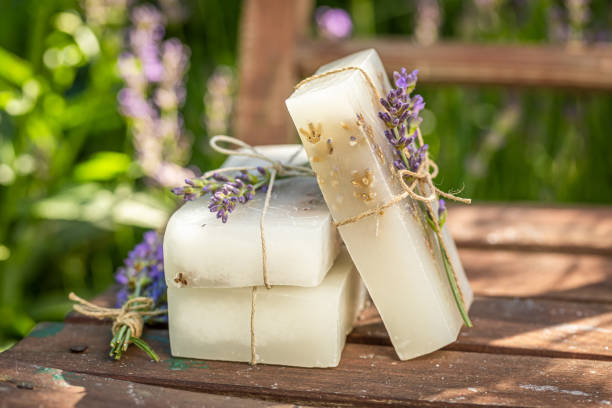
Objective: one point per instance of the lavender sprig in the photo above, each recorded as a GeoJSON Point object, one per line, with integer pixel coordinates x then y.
{"type": "Point", "coordinates": [226, 192]}
{"type": "Point", "coordinates": [141, 275]}
{"type": "Point", "coordinates": [401, 116]}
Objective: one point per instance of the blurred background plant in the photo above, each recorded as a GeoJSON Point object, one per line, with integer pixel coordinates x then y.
{"type": "Point", "coordinates": [104, 102]}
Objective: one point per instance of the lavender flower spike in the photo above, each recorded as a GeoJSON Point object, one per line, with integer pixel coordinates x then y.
{"type": "Point", "coordinates": [153, 71]}
{"type": "Point", "coordinates": [401, 116]}
{"type": "Point", "coordinates": [143, 269]}
{"type": "Point", "coordinates": [226, 192]}
{"type": "Point", "coordinates": [441, 207]}
{"type": "Point", "coordinates": [142, 274]}
{"type": "Point", "coordinates": [405, 80]}
{"type": "Point", "coordinates": [225, 199]}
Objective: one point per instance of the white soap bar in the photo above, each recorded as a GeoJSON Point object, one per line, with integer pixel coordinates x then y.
{"type": "Point", "coordinates": [301, 241]}
{"type": "Point", "coordinates": [293, 326]}
{"type": "Point", "coordinates": [396, 253]}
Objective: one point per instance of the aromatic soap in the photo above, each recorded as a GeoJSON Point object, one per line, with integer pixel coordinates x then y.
{"type": "Point", "coordinates": [301, 241]}
{"type": "Point", "coordinates": [395, 251]}
{"type": "Point", "coordinates": [293, 326]}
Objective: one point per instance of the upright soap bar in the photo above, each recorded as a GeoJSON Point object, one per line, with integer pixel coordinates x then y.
{"type": "Point", "coordinates": [301, 241]}
{"type": "Point", "coordinates": [293, 326]}
{"type": "Point", "coordinates": [395, 252]}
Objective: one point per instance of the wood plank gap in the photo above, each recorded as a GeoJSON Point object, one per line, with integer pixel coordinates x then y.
{"type": "Point", "coordinates": [530, 247]}
{"type": "Point", "coordinates": [488, 349]}
{"type": "Point", "coordinates": [603, 302]}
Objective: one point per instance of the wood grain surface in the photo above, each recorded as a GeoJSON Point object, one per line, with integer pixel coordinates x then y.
{"type": "Point", "coordinates": [541, 337]}
{"type": "Point", "coordinates": [25, 385]}
{"type": "Point", "coordinates": [367, 375]}
{"type": "Point", "coordinates": [586, 67]}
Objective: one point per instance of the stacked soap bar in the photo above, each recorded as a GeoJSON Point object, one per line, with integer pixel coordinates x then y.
{"type": "Point", "coordinates": [395, 251]}
{"type": "Point", "coordinates": [293, 326]}
{"type": "Point", "coordinates": [298, 230]}
{"type": "Point", "coordinates": [214, 273]}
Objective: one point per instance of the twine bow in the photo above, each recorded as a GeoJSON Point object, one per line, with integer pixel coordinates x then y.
{"type": "Point", "coordinates": [130, 314]}
{"type": "Point", "coordinates": [276, 168]}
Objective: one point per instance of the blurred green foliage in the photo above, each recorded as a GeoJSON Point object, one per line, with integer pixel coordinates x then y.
{"type": "Point", "coordinates": [73, 199]}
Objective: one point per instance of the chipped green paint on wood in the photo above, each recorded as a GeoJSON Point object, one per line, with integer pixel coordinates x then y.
{"type": "Point", "coordinates": [59, 376]}
{"type": "Point", "coordinates": [180, 364]}
{"type": "Point", "coordinates": [46, 329]}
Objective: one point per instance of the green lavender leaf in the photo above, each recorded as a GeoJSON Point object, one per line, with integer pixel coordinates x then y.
{"type": "Point", "coordinates": [141, 344]}
{"type": "Point", "coordinates": [454, 288]}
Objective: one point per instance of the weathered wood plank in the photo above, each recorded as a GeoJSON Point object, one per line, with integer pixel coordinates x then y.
{"type": "Point", "coordinates": [533, 228]}
{"type": "Point", "coordinates": [519, 326]}
{"type": "Point", "coordinates": [538, 275]}
{"type": "Point", "coordinates": [584, 278]}
{"type": "Point", "coordinates": [588, 67]}
{"type": "Point", "coordinates": [28, 385]}
{"type": "Point", "coordinates": [368, 375]}
{"type": "Point", "coordinates": [269, 34]}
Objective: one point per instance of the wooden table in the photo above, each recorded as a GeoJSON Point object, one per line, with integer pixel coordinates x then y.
{"type": "Point", "coordinates": [542, 336]}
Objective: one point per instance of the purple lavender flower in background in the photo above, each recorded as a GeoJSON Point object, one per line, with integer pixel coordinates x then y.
{"type": "Point", "coordinates": [427, 22]}
{"type": "Point", "coordinates": [145, 40]}
{"type": "Point", "coordinates": [333, 23]}
{"type": "Point", "coordinates": [101, 13]}
{"type": "Point", "coordinates": [153, 71]}
{"type": "Point", "coordinates": [143, 272]}
{"type": "Point", "coordinates": [218, 100]}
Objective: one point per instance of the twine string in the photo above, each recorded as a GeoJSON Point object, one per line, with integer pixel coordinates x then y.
{"type": "Point", "coordinates": [337, 71]}
{"type": "Point", "coordinates": [246, 150]}
{"type": "Point", "coordinates": [130, 314]}
{"type": "Point", "coordinates": [276, 169]}
{"type": "Point", "coordinates": [264, 211]}
{"type": "Point", "coordinates": [253, 354]}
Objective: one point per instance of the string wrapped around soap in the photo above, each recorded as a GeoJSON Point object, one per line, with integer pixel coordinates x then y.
{"type": "Point", "coordinates": [226, 192]}
{"type": "Point", "coordinates": [415, 170]}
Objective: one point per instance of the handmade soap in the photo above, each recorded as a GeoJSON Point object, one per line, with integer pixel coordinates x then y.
{"type": "Point", "coordinates": [293, 326]}
{"type": "Point", "coordinates": [395, 251]}
{"type": "Point", "coordinates": [301, 241]}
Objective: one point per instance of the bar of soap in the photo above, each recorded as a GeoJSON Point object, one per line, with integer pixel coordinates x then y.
{"type": "Point", "coordinates": [395, 252]}
{"type": "Point", "coordinates": [294, 326]}
{"type": "Point", "coordinates": [301, 240]}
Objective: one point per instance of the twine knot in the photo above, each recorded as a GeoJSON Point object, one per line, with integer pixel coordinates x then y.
{"type": "Point", "coordinates": [130, 314]}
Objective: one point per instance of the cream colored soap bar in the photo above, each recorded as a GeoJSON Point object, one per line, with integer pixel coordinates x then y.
{"type": "Point", "coordinates": [396, 253]}
{"type": "Point", "coordinates": [301, 241]}
{"type": "Point", "coordinates": [293, 326]}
